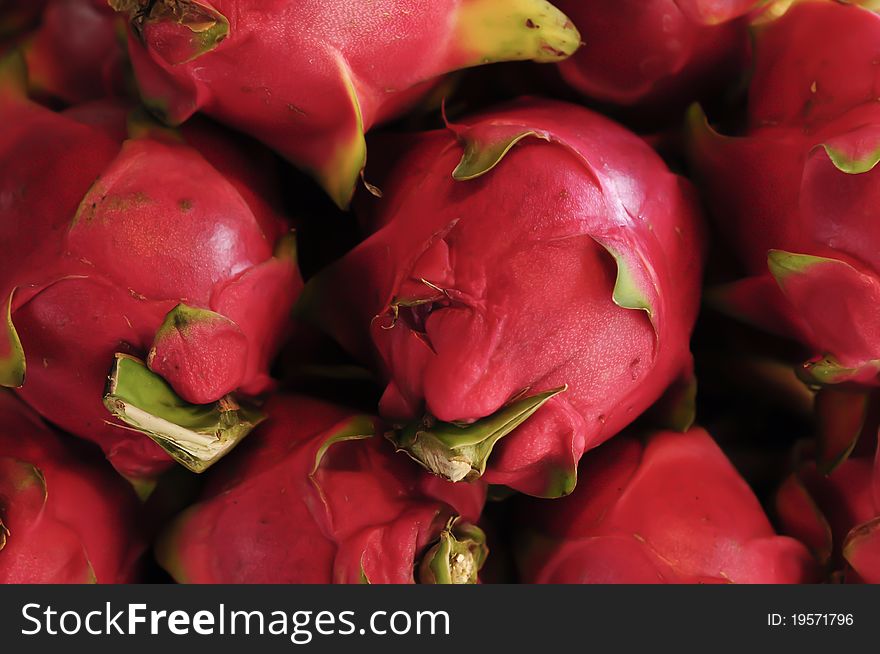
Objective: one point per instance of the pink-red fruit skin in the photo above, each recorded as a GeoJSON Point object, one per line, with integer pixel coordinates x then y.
{"type": "Point", "coordinates": [656, 53]}
{"type": "Point", "coordinates": [795, 194]}
{"type": "Point", "coordinates": [313, 497]}
{"type": "Point", "coordinates": [77, 54]}
{"type": "Point", "coordinates": [837, 515]}
{"type": "Point", "coordinates": [670, 510]}
{"type": "Point", "coordinates": [65, 516]}
{"type": "Point", "coordinates": [309, 77]}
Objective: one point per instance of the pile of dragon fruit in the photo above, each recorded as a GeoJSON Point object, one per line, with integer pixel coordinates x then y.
{"type": "Point", "coordinates": [439, 291]}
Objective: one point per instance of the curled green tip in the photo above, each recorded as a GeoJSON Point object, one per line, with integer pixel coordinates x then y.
{"type": "Point", "coordinates": [560, 482]}
{"type": "Point", "coordinates": [196, 436]}
{"type": "Point", "coordinates": [514, 30]}
{"type": "Point", "coordinates": [345, 160]}
{"type": "Point", "coordinates": [286, 248]}
{"type": "Point", "coordinates": [207, 27]}
{"type": "Point", "coordinates": [357, 428]}
{"type": "Point", "coordinates": [13, 74]}
{"type": "Point", "coordinates": [140, 123]}
{"type": "Point", "coordinates": [846, 163]}
{"type": "Point", "coordinates": [460, 452]}
{"type": "Point", "coordinates": [696, 118]}
{"type": "Point", "coordinates": [783, 265]}
{"type": "Point", "coordinates": [457, 557]}
{"type": "Point", "coordinates": [13, 364]}
{"type": "Point", "coordinates": [481, 157]}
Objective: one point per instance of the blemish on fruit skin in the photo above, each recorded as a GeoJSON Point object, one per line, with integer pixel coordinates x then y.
{"type": "Point", "coordinates": [180, 322]}
{"type": "Point", "coordinates": [185, 205]}
{"type": "Point", "coordinates": [90, 214]}
{"type": "Point", "coordinates": [124, 202]}
{"type": "Point", "coordinates": [108, 204]}
{"type": "Point", "coordinates": [556, 52]}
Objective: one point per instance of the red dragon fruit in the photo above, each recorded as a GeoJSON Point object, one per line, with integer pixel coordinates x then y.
{"type": "Point", "coordinates": [837, 512]}
{"type": "Point", "coordinates": [76, 55]}
{"type": "Point", "coordinates": [168, 256]}
{"type": "Point", "coordinates": [672, 510]}
{"type": "Point", "coordinates": [656, 52]}
{"type": "Point", "coordinates": [795, 194]}
{"type": "Point", "coordinates": [308, 77]}
{"type": "Point", "coordinates": [535, 278]}
{"type": "Point", "coordinates": [65, 517]}
{"type": "Point", "coordinates": [316, 497]}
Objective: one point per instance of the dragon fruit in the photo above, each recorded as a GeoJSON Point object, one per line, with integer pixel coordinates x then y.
{"type": "Point", "coordinates": [656, 52]}
{"type": "Point", "coordinates": [795, 193]}
{"type": "Point", "coordinates": [316, 497]}
{"type": "Point", "coordinates": [308, 77]}
{"type": "Point", "coordinates": [671, 510]}
{"type": "Point", "coordinates": [76, 54]}
{"type": "Point", "coordinates": [65, 517]}
{"type": "Point", "coordinates": [837, 516]}
{"type": "Point", "coordinates": [167, 257]}
{"type": "Point", "coordinates": [534, 278]}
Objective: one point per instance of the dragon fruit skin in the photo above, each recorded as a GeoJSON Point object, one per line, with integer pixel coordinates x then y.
{"type": "Point", "coordinates": [672, 510]}
{"type": "Point", "coordinates": [65, 517]}
{"type": "Point", "coordinates": [656, 52]}
{"type": "Point", "coordinates": [168, 256]}
{"type": "Point", "coordinates": [836, 512]}
{"type": "Point", "coordinates": [314, 497]}
{"type": "Point", "coordinates": [795, 195]}
{"type": "Point", "coordinates": [310, 77]}
{"type": "Point", "coordinates": [591, 283]}
{"type": "Point", "coordinates": [76, 65]}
